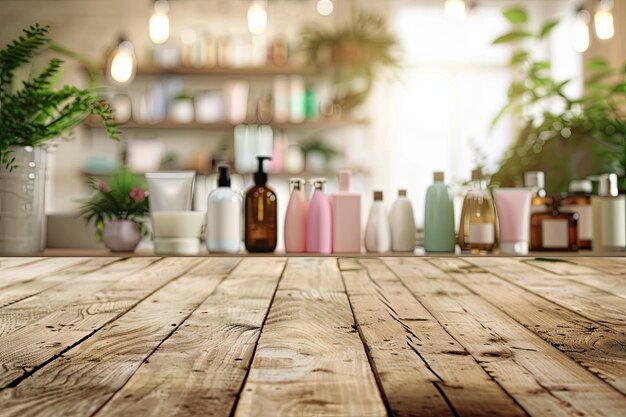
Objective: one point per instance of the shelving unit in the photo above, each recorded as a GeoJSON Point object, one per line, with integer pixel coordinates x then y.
{"type": "Point", "coordinates": [269, 70]}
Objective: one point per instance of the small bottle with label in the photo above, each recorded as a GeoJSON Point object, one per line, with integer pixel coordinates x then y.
{"type": "Point", "coordinates": [536, 181]}
{"type": "Point", "coordinates": [578, 200]}
{"type": "Point", "coordinates": [554, 230]}
{"type": "Point", "coordinates": [477, 230]}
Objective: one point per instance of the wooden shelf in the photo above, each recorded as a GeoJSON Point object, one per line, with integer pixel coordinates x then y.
{"type": "Point", "coordinates": [242, 71]}
{"type": "Point", "coordinates": [168, 125]}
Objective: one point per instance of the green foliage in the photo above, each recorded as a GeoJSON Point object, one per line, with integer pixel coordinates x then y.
{"type": "Point", "coordinates": [565, 137]}
{"type": "Point", "coordinates": [354, 53]}
{"type": "Point", "coordinates": [37, 112]}
{"type": "Point", "coordinates": [516, 15]}
{"type": "Point", "coordinates": [122, 197]}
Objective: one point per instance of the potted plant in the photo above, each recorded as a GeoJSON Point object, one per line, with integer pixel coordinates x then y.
{"type": "Point", "coordinates": [568, 138]}
{"type": "Point", "coordinates": [355, 54]}
{"type": "Point", "coordinates": [118, 208]}
{"type": "Point", "coordinates": [32, 114]}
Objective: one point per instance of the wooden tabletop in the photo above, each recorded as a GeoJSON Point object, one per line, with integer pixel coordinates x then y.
{"type": "Point", "coordinates": [276, 336]}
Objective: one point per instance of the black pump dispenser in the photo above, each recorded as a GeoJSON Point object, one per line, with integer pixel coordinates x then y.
{"type": "Point", "coordinates": [223, 179]}
{"type": "Point", "coordinates": [260, 177]}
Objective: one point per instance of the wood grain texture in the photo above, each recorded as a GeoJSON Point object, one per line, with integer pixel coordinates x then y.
{"type": "Point", "coordinates": [598, 348]}
{"type": "Point", "coordinates": [593, 303]}
{"type": "Point", "coordinates": [615, 266]}
{"type": "Point", "coordinates": [39, 305]}
{"type": "Point", "coordinates": [543, 380]}
{"type": "Point", "coordinates": [200, 369]}
{"type": "Point", "coordinates": [6, 263]}
{"type": "Point", "coordinates": [17, 275]}
{"type": "Point", "coordinates": [124, 343]}
{"type": "Point", "coordinates": [29, 347]}
{"type": "Point", "coordinates": [416, 360]}
{"type": "Point", "coordinates": [309, 359]}
{"type": "Point", "coordinates": [15, 293]}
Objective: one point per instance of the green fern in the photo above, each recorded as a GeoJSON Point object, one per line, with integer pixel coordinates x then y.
{"type": "Point", "coordinates": [38, 112]}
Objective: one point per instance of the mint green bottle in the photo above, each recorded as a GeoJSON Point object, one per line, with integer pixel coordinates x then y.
{"type": "Point", "coordinates": [439, 217]}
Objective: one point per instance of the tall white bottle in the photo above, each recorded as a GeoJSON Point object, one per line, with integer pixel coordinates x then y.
{"type": "Point", "coordinates": [609, 219]}
{"type": "Point", "coordinates": [224, 211]}
{"type": "Point", "coordinates": [402, 224]}
{"type": "Point", "coordinates": [378, 230]}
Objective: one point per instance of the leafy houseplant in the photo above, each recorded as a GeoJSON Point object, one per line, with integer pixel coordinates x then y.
{"type": "Point", "coordinates": [120, 200]}
{"type": "Point", "coordinates": [568, 138]}
{"type": "Point", "coordinates": [32, 113]}
{"type": "Point", "coordinates": [354, 53]}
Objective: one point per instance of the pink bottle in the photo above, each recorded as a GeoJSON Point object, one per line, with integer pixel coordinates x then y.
{"type": "Point", "coordinates": [346, 209]}
{"type": "Point", "coordinates": [319, 232]}
{"type": "Point", "coordinates": [295, 218]}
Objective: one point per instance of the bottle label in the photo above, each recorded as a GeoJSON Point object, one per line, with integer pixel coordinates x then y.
{"type": "Point", "coordinates": [482, 233]}
{"type": "Point", "coordinates": [554, 234]}
{"type": "Point", "coordinates": [585, 220]}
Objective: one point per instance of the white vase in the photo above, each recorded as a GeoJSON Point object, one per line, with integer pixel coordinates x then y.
{"type": "Point", "coordinates": [22, 201]}
{"type": "Point", "coordinates": [121, 235]}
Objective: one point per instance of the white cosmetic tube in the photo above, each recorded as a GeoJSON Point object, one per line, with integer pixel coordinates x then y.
{"type": "Point", "coordinates": [170, 191]}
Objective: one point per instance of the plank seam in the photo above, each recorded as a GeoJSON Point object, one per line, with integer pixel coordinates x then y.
{"type": "Point", "coordinates": [145, 360]}
{"type": "Point", "coordinates": [256, 343]}
{"type": "Point", "coordinates": [29, 373]}
{"type": "Point", "coordinates": [454, 338]}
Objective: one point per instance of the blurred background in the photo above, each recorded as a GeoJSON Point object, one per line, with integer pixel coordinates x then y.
{"type": "Point", "coordinates": [391, 89]}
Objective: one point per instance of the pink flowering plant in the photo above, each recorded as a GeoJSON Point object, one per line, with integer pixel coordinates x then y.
{"type": "Point", "coordinates": [123, 196]}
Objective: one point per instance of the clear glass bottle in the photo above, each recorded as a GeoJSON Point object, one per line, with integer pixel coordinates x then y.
{"type": "Point", "coordinates": [553, 230]}
{"type": "Point", "coordinates": [477, 230]}
{"type": "Point", "coordinates": [536, 181]}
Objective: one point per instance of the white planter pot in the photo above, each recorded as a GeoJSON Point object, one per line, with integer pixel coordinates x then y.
{"type": "Point", "coordinates": [121, 235]}
{"type": "Point", "coordinates": [22, 202]}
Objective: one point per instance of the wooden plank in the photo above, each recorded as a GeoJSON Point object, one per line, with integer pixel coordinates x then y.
{"type": "Point", "coordinates": [48, 266]}
{"type": "Point", "coordinates": [37, 306]}
{"type": "Point", "coordinates": [542, 380]}
{"type": "Point", "coordinates": [616, 266]}
{"type": "Point", "coordinates": [598, 348]}
{"type": "Point", "coordinates": [590, 302]}
{"type": "Point", "coordinates": [85, 377]}
{"type": "Point", "coordinates": [29, 347]}
{"type": "Point", "coordinates": [200, 369]}
{"type": "Point", "coordinates": [561, 266]}
{"type": "Point", "coordinates": [14, 293]}
{"type": "Point", "coordinates": [310, 360]}
{"type": "Point", "coordinates": [416, 360]}
{"type": "Point", "coordinates": [6, 263]}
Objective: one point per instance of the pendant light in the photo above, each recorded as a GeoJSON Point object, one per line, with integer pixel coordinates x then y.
{"type": "Point", "coordinates": [580, 35]}
{"type": "Point", "coordinates": [122, 62]}
{"type": "Point", "coordinates": [160, 22]}
{"type": "Point", "coordinates": [603, 20]}
{"type": "Point", "coordinates": [454, 10]}
{"type": "Point", "coordinates": [257, 17]}
{"type": "Point", "coordinates": [324, 7]}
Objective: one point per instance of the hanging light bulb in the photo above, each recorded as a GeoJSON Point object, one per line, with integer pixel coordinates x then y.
{"type": "Point", "coordinates": [325, 7]}
{"type": "Point", "coordinates": [454, 10]}
{"type": "Point", "coordinates": [580, 36]}
{"type": "Point", "coordinates": [257, 17]}
{"type": "Point", "coordinates": [122, 62]}
{"type": "Point", "coordinates": [160, 22]}
{"type": "Point", "coordinates": [603, 20]}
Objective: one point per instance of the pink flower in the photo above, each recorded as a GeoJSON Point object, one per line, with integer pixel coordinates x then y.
{"type": "Point", "coordinates": [137, 194]}
{"type": "Point", "coordinates": [103, 187]}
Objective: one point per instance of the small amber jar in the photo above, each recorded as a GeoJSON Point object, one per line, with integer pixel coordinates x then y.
{"type": "Point", "coordinates": [553, 230]}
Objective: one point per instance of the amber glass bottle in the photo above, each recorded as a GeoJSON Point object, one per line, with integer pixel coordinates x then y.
{"type": "Point", "coordinates": [554, 230]}
{"type": "Point", "coordinates": [261, 214]}
{"type": "Point", "coordinates": [579, 201]}
{"type": "Point", "coordinates": [536, 181]}
{"type": "Point", "coordinates": [477, 231]}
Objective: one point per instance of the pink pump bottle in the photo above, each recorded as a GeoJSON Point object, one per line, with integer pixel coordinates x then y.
{"type": "Point", "coordinates": [319, 232]}
{"type": "Point", "coordinates": [295, 218]}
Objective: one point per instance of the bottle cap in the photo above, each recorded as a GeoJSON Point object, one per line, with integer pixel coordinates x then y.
{"type": "Point", "coordinates": [260, 177]}
{"type": "Point", "coordinates": [580, 186]}
{"type": "Point", "coordinates": [608, 185]}
{"type": "Point", "coordinates": [378, 196]}
{"type": "Point", "coordinates": [297, 183]}
{"type": "Point", "coordinates": [318, 183]}
{"type": "Point", "coordinates": [223, 178]}
{"type": "Point", "coordinates": [438, 176]}
{"type": "Point", "coordinates": [401, 192]}
{"type": "Point", "coordinates": [535, 179]}
{"type": "Point", "coordinates": [344, 180]}
{"type": "Point", "coordinates": [477, 174]}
